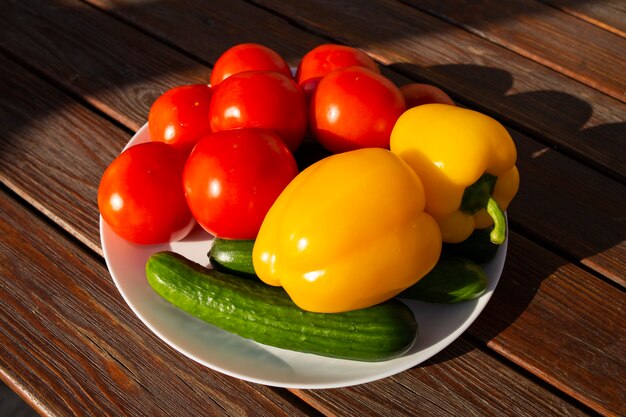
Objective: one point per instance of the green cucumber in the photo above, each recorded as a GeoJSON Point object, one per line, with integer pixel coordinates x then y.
{"type": "Point", "coordinates": [232, 256]}
{"type": "Point", "coordinates": [452, 280]}
{"type": "Point", "coordinates": [478, 247]}
{"type": "Point", "coordinates": [267, 315]}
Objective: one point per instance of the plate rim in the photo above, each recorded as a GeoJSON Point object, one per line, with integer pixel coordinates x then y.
{"type": "Point", "coordinates": [481, 303]}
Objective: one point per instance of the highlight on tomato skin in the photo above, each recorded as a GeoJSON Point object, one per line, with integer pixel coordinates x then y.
{"type": "Point", "coordinates": [232, 178]}
{"type": "Point", "coordinates": [326, 58]}
{"type": "Point", "coordinates": [141, 196]}
{"type": "Point", "coordinates": [261, 99]}
{"type": "Point", "coordinates": [179, 116]}
{"type": "Point", "coordinates": [353, 108]}
{"type": "Point", "coordinates": [247, 57]}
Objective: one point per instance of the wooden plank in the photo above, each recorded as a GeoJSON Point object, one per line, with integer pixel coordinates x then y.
{"type": "Point", "coordinates": [86, 205]}
{"type": "Point", "coordinates": [46, 156]}
{"type": "Point", "coordinates": [545, 176]}
{"type": "Point", "coordinates": [560, 323]}
{"type": "Point", "coordinates": [573, 117]}
{"type": "Point", "coordinates": [37, 158]}
{"type": "Point", "coordinates": [96, 238]}
{"type": "Point", "coordinates": [601, 248]}
{"type": "Point", "coordinates": [454, 382]}
{"type": "Point", "coordinates": [54, 151]}
{"type": "Point", "coordinates": [608, 14]}
{"type": "Point", "coordinates": [544, 34]}
{"type": "Point", "coordinates": [117, 69]}
{"type": "Point", "coordinates": [71, 344]}
{"type": "Point", "coordinates": [558, 204]}
{"type": "Point", "coordinates": [90, 351]}
{"type": "Point", "coordinates": [213, 27]}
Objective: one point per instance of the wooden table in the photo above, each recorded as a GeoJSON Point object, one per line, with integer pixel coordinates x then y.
{"type": "Point", "coordinates": [78, 79]}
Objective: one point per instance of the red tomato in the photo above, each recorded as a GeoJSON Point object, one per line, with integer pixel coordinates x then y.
{"type": "Point", "coordinates": [232, 178]}
{"type": "Point", "coordinates": [261, 99]}
{"type": "Point", "coordinates": [418, 94]}
{"type": "Point", "coordinates": [247, 57]}
{"type": "Point", "coordinates": [141, 194]}
{"type": "Point", "coordinates": [326, 58]}
{"type": "Point", "coordinates": [354, 108]}
{"type": "Point", "coordinates": [180, 116]}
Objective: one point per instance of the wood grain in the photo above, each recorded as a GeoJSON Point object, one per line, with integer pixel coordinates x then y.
{"type": "Point", "coordinates": [114, 67]}
{"type": "Point", "coordinates": [608, 14]}
{"type": "Point", "coordinates": [560, 323]}
{"type": "Point", "coordinates": [37, 190]}
{"type": "Point", "coordinates": [213, 27]}
{"type": "Point", "coordinates": [544, 34]}
{"type": "Point", "coordinates": [539, 101]}
{"type": "Point", "coordinates": [452, 383]}
{"type": "Point", "coordinates": [579, 352]}
{"type": "Point", "coordinates": [593, 200]}
{"type": "Point", "coordinates": [54, 151]}
{"type": "Point", "coordinates": [600, 247]}
{"type": "Point", "coordinates": [45, 156]}
{"type": "Point", "coordinates": [565, 214]}
{"type": "Point", "coordinates": [71, 343]}
{"type": "Point", "coordinates": [90, 351]}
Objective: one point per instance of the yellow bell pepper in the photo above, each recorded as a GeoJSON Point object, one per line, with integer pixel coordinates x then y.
{"type": "Point", "coordinates": [466, 161]}
{"type": "Point", "coordinates": [348, 232]}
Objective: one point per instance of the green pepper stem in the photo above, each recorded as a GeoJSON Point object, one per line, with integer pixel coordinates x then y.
{"type": "Point", "coordinates": [498, 234]}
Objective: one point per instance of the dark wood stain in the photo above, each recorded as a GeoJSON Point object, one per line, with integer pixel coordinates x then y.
{"type": "Point", "coordinates": [79, 78]}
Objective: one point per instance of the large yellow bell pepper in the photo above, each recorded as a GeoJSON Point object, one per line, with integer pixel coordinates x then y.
{"type": "Point", "coordinates": [348, 232]}
{"type": "Point", "coordinates": [466, 161]}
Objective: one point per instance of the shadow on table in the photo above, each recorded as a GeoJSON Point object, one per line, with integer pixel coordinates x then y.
{"type": "Point", "coordinates": [553, 113]}
{"type": "Point", "coordinates": [541, 169]}
{"type": "Point", "coordinates": [76, 67]}
{"type": "Point", "coordinates": [12, 405]}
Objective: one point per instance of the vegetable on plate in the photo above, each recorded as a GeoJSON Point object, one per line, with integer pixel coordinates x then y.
{"type": "Point", "coordinates": [466, 161]}
{"type": "Point", "coordinates": [141, 196]}
{"type": "Point", "coordinates": [179, 116]}
{"type": "Point", "coordinates": [261, 99]}
{"type": "Point", "coordinates": [326, 58]}
{"type": "Point", "coordinates": [478, 247]}
{"type": "Point", "coordinates": [247, 57]}
{"type": "Point", "coordinates": [348, 232]}
{"type": "Point", "coordinates": [232, 178]}
{"type": "Point", "coordinates": [353, 108]}
{"type": "Point", "coordinates": [416, 94]}
{"type": "Point", "coordinates": [267, 315]}
{"type": "Point", "coordinates": [452, 280]}
{"type": "Point", "coordinates": [336, 245]}
{"type": "Point", "coordinates": [232, 256]}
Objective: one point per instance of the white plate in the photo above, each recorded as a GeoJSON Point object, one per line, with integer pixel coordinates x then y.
{"type": "Point", "coordinates": [439, 324]}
